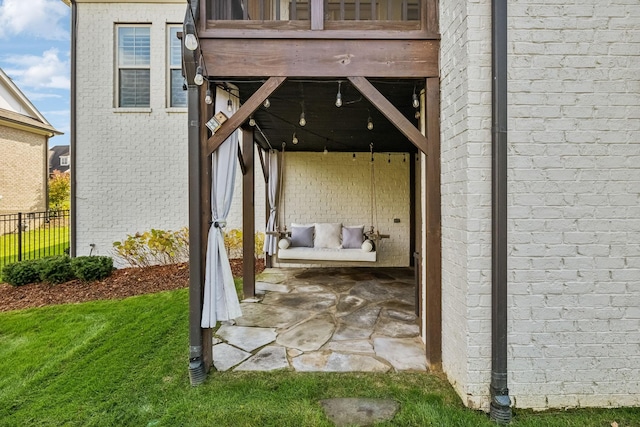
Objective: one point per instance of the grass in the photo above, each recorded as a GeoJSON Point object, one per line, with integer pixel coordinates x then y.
{"type": "Point", "coordinates": [124, 363]}
{"type": "Point", "coordinates": [40, 243]}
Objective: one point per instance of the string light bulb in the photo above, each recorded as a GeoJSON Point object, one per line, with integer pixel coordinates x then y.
{"type": "Point", "coordinates": [295, 139]}
{"type": "Point", "coordinates": [302, 121]}
{"type": "Point", "coordinates": [199, 78]}
{"type": "Point", "coordinates": [417, 114]}
{"type": "Point", "coordinates": [208, 99]}
{"type": "Point", "coordinates": [325, 152]}
{"type": "Point", "coordinates": [354, 157]}
{"type": "Point", "coordinates": [266, 103]}
{"type": "Point", "coordinates": [339, 97]}
{"type": "Point", "coordinates": [369, 123]}
{"type": "Point", "coordinates": [190, 41]}
{"type": "Point", "coordinates": [252, 121]}
{"type": "Point", "coordinates": [416, 101]}
{"type": "Point", "coordinates": [229, 105]}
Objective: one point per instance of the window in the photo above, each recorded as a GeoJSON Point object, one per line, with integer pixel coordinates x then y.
{"type": "Point", "coordinates": [64, 160]}
{"type": "Point", "coordinates": [177, 96]}
{"type": "Point", "coordinates": [133, 68]}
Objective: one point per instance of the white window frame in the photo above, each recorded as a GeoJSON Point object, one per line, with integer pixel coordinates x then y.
{"type": "Point", "coordinates": [119, 67]}
{"type": "Point", "coordinates": [64, 160]}
{"type": "Point", "coordinates": [172, 67]}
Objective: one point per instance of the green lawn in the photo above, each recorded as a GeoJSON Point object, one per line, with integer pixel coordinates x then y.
{"type": "Point", "coordinates": [124, 363]}
{"type": "Point", "coordinates": [37, 244]}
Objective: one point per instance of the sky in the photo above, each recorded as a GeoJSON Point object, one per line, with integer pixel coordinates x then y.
{"type": "Point", "coordinates": [35, 53]}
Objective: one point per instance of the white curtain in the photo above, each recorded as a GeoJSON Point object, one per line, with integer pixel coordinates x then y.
{"type": "Point", "coordinates": [271, 241]}
{"type": "Point", "coordinates": [220, 298]}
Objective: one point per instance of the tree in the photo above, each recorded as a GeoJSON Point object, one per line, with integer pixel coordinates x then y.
{"type": "Point", "coordinates": [59, 190]}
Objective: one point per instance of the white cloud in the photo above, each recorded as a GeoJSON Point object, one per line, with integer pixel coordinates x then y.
{"type": "Point", "coordinates": [36, 18]}
{"type": "Point", "coordinates": [40, 72]}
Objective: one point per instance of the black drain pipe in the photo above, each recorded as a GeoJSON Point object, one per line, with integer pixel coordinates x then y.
{"type": "Point", "coordinates": [500, 410]}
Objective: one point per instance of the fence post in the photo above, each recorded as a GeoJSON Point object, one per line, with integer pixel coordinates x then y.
{"type": "Point", "coordinates": [19, 236]}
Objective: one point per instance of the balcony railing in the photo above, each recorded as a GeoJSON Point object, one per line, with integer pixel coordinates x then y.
{"type": "Point", "coordinates": [343, 15]}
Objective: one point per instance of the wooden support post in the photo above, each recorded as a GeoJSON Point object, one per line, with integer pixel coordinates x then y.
{"type": "Point", "coordinates": [433, 260]}
{"type": "Point", "coordinates": [205, 215]}
{"type": "Point", "coordinates": [248, 216]}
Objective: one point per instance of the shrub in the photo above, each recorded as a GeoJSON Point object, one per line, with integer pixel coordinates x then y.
{"type": "Point", "coordinates": [56, 269]}
{"type": "Point", "coordinates": [154, 247]}
{"type": "Point", "coordinates": [233, 243]}
{"type": "Point", "coordinates": [22, 273]}
{"type": "Point", "coordinates": [90, 268]}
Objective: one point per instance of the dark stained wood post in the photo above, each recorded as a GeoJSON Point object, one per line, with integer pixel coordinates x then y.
{"type": "Point", "coordinates": [248, 216]}
{"type": "Point", "coordinates": [433, 259]}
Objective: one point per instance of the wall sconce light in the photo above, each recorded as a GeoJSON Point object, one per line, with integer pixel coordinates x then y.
{"type": "Point", "coordinates": [199, 78]}
{"type": "Point", "coordinates": [339, 97]}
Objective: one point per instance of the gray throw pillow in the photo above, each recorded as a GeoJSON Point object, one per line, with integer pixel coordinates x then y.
{"type": "Point", "coordinates": [352, 237]}
{"type": "Point", "coordinates": [302, 237]}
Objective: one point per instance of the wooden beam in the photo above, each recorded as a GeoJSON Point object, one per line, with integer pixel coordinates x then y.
{"type": "Point", "coordinates": [243, 167]}
{"type": "Point", "coordinates": [433, 257]}
{"type": "Point", "coordinates": [240, 116]}
{"type": "Point", "coordinates": [265, 172]}
{"type": "Point", "coordinates": [321, 58]}
{"type": "Point", "coordinates": [391, 113]}
{"type": "Point", "coordinates": [248, 217]}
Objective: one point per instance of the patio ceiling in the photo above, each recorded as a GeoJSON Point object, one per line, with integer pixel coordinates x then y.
{"type": "Point", "coordinates": [341, 129]}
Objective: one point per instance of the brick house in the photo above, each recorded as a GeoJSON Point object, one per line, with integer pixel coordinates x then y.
{"type": "Point", "coordinates": [24, 138]}
{"type": "Point", "coordinates": [571, 258]}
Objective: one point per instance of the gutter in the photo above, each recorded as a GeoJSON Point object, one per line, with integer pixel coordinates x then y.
{"type": "Point", "coordinates": [72, 139]}
{"type": "Point", "coordinates": [500, 408]}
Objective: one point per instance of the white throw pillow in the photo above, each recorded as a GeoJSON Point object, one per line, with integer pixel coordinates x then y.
{"type": "Point", "coordinates": [284, 243]}
{"type": "Point", "coordinates": [367, 246]}
{"type": "Point", "coordinates": [328, 235]}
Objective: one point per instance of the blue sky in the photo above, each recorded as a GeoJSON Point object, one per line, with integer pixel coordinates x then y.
{"type": "Point", "coordinates": [35, 53]}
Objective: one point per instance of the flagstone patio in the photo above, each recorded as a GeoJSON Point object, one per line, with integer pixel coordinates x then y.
{"type": "Point", "coordinates": [325, 319]}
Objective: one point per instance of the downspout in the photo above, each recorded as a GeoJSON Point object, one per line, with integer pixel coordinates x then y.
{"type": "Point", "coordinates": [197, 370]}
{"type": "Point", "coordinates": [500, 410]}
{"type": "Point", "coordinates": [72, 140]}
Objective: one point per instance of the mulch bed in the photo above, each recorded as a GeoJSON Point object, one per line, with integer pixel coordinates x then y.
{"type": "Point", "coordinates": [122, 283]}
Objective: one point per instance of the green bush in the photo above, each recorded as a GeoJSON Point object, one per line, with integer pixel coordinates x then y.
{"type": "Point", "coordinates": [22, 273]}
{"type": "Point", "coordinates": [90, 268]}
{"type": "Point", "coordinates": [154, 247]}
{"type": "Point", "coordinates": [56, 269]}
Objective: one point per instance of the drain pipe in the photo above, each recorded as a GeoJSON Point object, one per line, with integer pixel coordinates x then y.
{"type": "Point", "coordinates": [73, 251]}
{"type": "Point", "coordinates": [500, 409]}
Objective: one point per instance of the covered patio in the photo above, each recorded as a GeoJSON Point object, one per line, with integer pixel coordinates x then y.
{"type": "Point", "coordinates": [326, 320]}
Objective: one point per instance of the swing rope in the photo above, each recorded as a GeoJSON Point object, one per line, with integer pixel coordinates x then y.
{"type": "Point", "coordinates": [373, 210]}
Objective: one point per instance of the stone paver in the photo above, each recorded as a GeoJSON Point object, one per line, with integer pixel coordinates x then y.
{"type": "Point", "coordinates": [359, 411]}
{"type": "Point", "coordinates": [226, 356]}
{"type": "Point", "coordinates": [357, 325]}
{"type": "Point", "coordinates": [396, 328]}
{"type": "Point", "coordinates": [309, 335]}
{"type": "Point", "coordinates": [329, 361]}
{"type": "Point", "coordinates": [262, 287]}
{"type": "Point", "coordinates": [353, 346]}
{"type": "Point", "coordinates": [403, 353]}
{"type": "Point", "coordinates": [246, 338]}
{"type": "Point", "coordinates": [301, 301]}
{"type": "Point", "coordinates": [269, 358]}
{"type": "Point", "coordinates": [264, 316]}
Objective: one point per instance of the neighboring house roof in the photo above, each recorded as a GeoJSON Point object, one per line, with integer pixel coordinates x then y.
{"type": "Point", "coordinates": [54, 158]}
{"type": "Point", "coordinates": [17, 111]}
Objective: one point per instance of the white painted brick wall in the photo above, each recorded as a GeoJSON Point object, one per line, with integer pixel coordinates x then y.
{"type": "Point", "coordinates": [131, 167]}
{"type": "Point", "coordinates": [334, 188]}
{"type": "Point", "coordinates": [574, 192]}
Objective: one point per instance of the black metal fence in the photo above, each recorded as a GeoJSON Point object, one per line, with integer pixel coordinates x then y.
{"type": "Point", "coordinates": [33, 235]}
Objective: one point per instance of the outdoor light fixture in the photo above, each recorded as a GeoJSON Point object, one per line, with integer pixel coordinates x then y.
{"type": "Point", "coordinates": [208, 99]}
{"type": "Point", "coordinates": [339, 97]}
{"type": "Point", "coordinates": [369, 123]}
{"type": "Point", "coordinates": [266, 103]}
{"type": "Point", "coordinates": [325, 152]}
{"type": "Point", "coordinates": [199, 78]}
{"type": "Point", "coordinates": [295, 139]}
{"type": "Point", "coordinates": [229, 105]}
{"type": "Point", "coordinates": [417, 114]}
{"type": "Point", "coordinates": [302, 121]}
{"type": "Point", "coordinates": [252, 121]}
{"type": "Point", "coordinates": [416, 101]}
